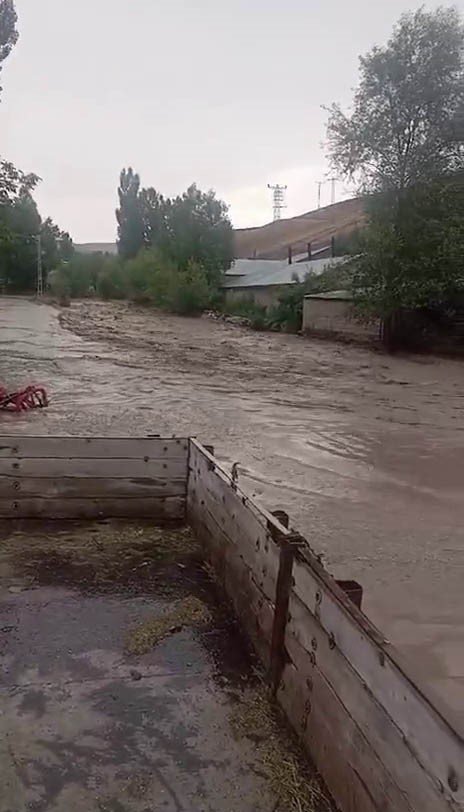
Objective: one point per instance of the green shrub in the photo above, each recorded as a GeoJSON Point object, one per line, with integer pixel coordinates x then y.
{"type": "Point", "coordinates": [138, 275]}
{"type": "Point", "coordinates": [287, 314]}
{"type": "Point", "coordinates": [188, 291]}
{"type": "Point", "coordinates": [87, 274]}
{"type": "Point", "coordinates": [147, 278]}
{"type": "Point", "coordinates": [111, 281]}
{"type": "Point", "coordinates": [247, 308]}
{"type": "Point", "coordinates": [59, 286]}
{"type": "Point", "coordinates": [151, 278]}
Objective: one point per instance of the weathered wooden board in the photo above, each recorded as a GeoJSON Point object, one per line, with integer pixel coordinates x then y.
{"type": "Point", "coordinates": [78, 478]}
{"type": "Point", "coordinates": [436, 746]}
{"type": "Point", "coordinates": [162, 509]}
{"type": "Point", "coordinates": [378, 741]}
{"type": "Point", "coordinates": [83, 487]}
{"type": "Point", "coordinates": [312, 652]}
{"type": "Point", "coordinates": [352, 771]}
{"type": "Point", "coordinates": [254, 610]}
{"type": "Point", "coordinates": [200, 458]}
{"type": "Point", "coordinates": [236, 538]}
{"type": "Point", "coordinates": [261, 562]}
{"type": "Point", "coordinates": [88, 447]}
{"type": "Point", "coordinates": [241, 521]}
{"type": "Point", "coordinates": [111, 468]}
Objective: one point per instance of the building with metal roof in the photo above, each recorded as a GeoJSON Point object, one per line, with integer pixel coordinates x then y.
{"type": "Point", "coordinates": [264, 273]}
{"type": "Point", "coordinates": [243, 267]}
{"type": "Point", "coordinates": [263, 280]}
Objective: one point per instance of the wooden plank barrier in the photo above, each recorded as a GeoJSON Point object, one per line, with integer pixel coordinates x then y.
{"type": "Point", "coordinates": [379, 741]}
{"type": "Point", "coordinates": [90, 478]}
{"type": "Point", "coordinates": [236, 535]}
{"type": "Point", "coordinates": [381, 744]}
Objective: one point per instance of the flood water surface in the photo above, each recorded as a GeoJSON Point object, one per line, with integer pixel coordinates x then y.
{"type": "Point", "coordinates": [365, 452]}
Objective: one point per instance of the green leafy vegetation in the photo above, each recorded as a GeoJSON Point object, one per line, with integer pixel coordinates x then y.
{"type": "Point", "coordinates": [24, 236]}
{"type": "Point", "coordinates": [172, 253]}
{"type": "Point", "coordinates": [247, 308]}
{"type": "Point", "coordinates": [152, 279]}
{"type": "Point", "coordinates": [403, 143]}
{"type": "Point", "coordinates": [149, 279]}
{"type": "Point", "coordinates": [87, 275]}
{"type": "Point", "coordinates": [192, 227]}
{"type": "Point", "coordinates": [8, 30]}
{"type": "Point", "coordinates": [176, 249]}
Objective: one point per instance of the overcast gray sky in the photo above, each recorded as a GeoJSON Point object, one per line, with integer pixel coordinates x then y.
{"type": "Point", "coordinates": [226, 93]}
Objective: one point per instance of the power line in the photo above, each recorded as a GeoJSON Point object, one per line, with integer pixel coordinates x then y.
{"type": "Point", "coordinates": [320, 184]}
{"type": "Point", "coordinates": [39, 266]}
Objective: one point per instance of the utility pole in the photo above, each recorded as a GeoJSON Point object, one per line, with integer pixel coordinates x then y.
{"type": "Point", "coordinates": [333, 181]}
{"type": "Point", "coordinates": [39, 266]}
{"type": "Point", "coordinates": [319, 187]}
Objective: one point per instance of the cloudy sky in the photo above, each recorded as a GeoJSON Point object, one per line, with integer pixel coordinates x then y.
{"type": "Point", "coordinates": [227, 93]}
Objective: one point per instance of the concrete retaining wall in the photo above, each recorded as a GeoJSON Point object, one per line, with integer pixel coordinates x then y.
{"type": "Point", "coordinates": [336, 317]}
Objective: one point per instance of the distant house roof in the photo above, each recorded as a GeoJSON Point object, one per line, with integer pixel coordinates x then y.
{"type": "Point", "coordinates": [276, 272]}
{"type": "Point", "coordinates": [342, 295]}
{"type": "Point", "coordinates": [242, 267]}
{"type": "Point", "coordinates": [96, 248]}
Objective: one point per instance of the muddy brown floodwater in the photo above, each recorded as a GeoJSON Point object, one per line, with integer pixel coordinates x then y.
{"type": "Point", "coordinates": [365, 452]}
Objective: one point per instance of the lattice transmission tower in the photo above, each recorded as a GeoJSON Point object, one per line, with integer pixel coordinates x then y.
{"type": "Point", "coordinates": [278, 199]}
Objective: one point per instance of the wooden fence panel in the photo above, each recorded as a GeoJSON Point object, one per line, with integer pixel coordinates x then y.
{"type": "Point", "coordinates": [90, 487]}
{"type": "Point", "coordinates": [109, 467]}
{"type": "Point", "coordinates": [325, 675]}
{"type": "Point", "coordinates": [379, 742]}
{"type": "Point", "coordinates": [235, 514]}
{"type": "Point", "coordinates": [161, 509]}
{"type": "Point", "coordinates": [425, 732]}
{"type": "Point", "coordinates": [99, 447]}
{"type": "Point", "coordinates": [74, 477]}
{"type": "Point", "coordinates": [239, 544]}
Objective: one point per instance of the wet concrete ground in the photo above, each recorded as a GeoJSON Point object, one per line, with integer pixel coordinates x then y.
{"type": "Point", "coordinates": [86, 726]}
{"type": "Point", "coordinates": [365, 452]}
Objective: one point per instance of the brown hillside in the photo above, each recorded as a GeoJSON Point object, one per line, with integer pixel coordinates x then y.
{"type": "Point", "coordinates": [317, 227]}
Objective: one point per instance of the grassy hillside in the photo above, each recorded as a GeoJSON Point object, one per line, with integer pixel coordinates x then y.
{"type": "Point", "coordinates": [317, 227]}
{"type": "Point", "coordinates": [272, 240]}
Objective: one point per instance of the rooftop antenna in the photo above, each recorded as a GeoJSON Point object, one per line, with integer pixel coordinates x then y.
{"type": "Point", "coordinates": [278, 197]}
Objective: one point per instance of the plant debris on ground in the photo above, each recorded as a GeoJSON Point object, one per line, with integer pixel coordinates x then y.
{"type": "Point", "coordinates": [100, 556]}
{"type": "Point", "coordinates": [295, 784]}
{"type": "Point", "coordinates": [188, 612]}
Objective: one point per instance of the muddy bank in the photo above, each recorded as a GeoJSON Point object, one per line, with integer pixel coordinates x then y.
{"type": "Point", "coordinates": [364, 451]}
